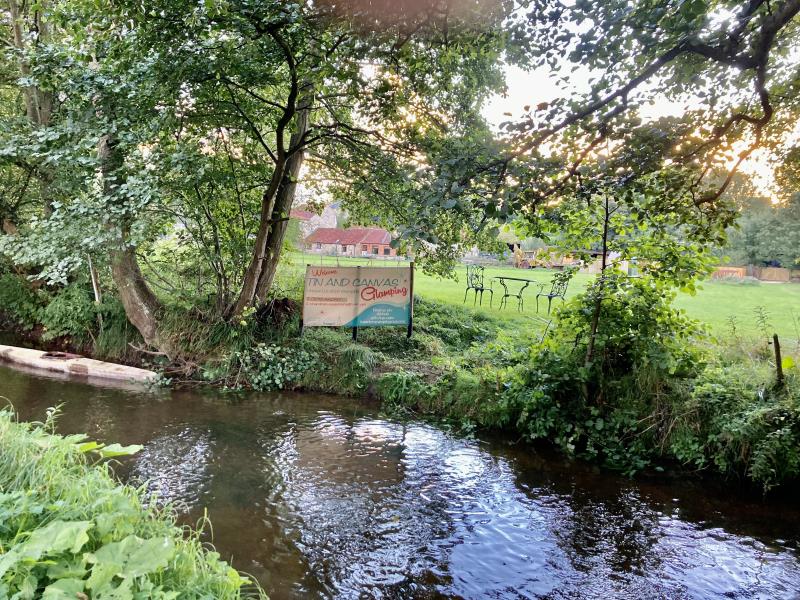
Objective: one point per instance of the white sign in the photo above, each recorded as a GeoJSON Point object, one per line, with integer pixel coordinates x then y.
{"type": "Point", "coordinates": [358, 296]}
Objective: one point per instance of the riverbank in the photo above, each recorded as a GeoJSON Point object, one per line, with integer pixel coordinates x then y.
{"type": "Point", "coordinates": [657, 392]}
{"type": "Point", "coordinates": [71, 530]}
{"type": "Point", "coordinates": [714, 409]}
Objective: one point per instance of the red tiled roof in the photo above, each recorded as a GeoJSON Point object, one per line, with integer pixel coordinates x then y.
{"type": "Point", "coordinates": [352, 235]}
{"type": "Point", "coordinates": [303, 215]}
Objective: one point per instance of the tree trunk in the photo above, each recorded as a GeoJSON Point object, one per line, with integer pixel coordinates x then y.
{"type": "Point", "coordinates": [141, 305]}
{"type": "Point", "coordinates": [599, 300]}
{"type": "Point", "coordinates": [598, 305]}
{"type": "Point", "coordinates": [8, 227]}
{"type": "Point", "coordinates": [253, 273]}
{"type": "Point", "coordinates": [272, 227]}
{"type": "Point", "coordinates": [38, 103]}
{"type": "Point", "coordinates": [283, 206]}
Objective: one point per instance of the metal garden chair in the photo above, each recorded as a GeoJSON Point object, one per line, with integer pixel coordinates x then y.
{"type": "Point", "coordinates": [475, 282]}
{"type": "Point", "coordinates": [557, 290]}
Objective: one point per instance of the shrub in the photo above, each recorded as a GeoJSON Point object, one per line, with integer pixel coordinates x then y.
{"type": "Point", "coordinates": [69, 530]}
{"type": "Point", "coordinates": [269, 367]}
{"type": "Point", "coordinates": [614, 408]}
{"type": "Point", "coordinates": [116, 337]}
{"type": "Point", "coordinates": [402, 391]}
{"type": "Point", "coordinates": [735, 423]}
{"type": "Point", "coordinates": [70, 312]}
{"type": "Point", "coordinates": [20, 301]}
{"type": "Point", "coordinates": [353, 367]}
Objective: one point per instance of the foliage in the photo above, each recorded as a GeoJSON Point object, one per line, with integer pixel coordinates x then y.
{"type": "Point", "coordinates": [70, 530]}
{"type": "Point", "coordinates": [355, 364]}
{"type": "Point", "coordinates": [734, 422]}
{"type": "Point", "coordinates": [19, 301]}
{"type": "Point", "coordinates": [198, 117]}
{"type": "Point", "coordinates": [638, 329]}
{"type": "Point", "coordinates": [767, 234]}
{"type": "Point", "coordinates": [116, 338]}
{"type": "Point", "coordinates": [70, 312]}
{"type": "Point", "coordinates": [270, 367]}
{"type": "Point", "coordinates": [402, 391]}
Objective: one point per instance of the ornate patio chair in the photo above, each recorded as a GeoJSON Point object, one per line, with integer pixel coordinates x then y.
{"type": "Point", "coordinates": [475, 282]}
{"type": "Point", "coordinates": [557, 290]}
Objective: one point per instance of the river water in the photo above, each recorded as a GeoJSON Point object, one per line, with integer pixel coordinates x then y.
{"type": "Point", "coordinates": [321, 497]}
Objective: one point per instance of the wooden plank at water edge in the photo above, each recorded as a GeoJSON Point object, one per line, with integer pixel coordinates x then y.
{"type": "Point", "coordinates": [73, 364]}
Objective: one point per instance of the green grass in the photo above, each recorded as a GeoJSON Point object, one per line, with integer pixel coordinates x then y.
{"type": "Point", "coordinates": [714, 303]}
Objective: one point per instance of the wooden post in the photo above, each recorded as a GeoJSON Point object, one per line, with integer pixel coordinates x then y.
{"type": "Point", "coordinates": [98, 294]}
{"type": "Point", "coordinates": [303, 300]}
{"type": "Point", "coordinates": [411, 301]}
{"type": "Point", "coordinates": [778, 362]}
{"type": "Point", "coordinates": [355, 319]}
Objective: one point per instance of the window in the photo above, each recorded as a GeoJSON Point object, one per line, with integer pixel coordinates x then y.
{"type": "Point", "coordinates": [363, 247]}
{"type": "Point", "coordinates": [344, 247]}
{"type": "Point", "coordinates": [387, 251]}
{"type": "Point", "coordinates": [318, 246]}
{"type": "Point", "coordinates": [374, 249]}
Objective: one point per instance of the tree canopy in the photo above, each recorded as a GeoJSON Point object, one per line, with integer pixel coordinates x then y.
{"type": "Point", "coordinates": [177, 133]}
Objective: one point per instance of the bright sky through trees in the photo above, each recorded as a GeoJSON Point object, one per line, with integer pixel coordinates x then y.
{"type": "Point", "coordinates": [534, 87]}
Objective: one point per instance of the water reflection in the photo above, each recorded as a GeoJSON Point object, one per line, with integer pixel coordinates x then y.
{"type": "Point", "coordinates": [317, 497]}
{"type": "Point", "coordinates": [175, 466]}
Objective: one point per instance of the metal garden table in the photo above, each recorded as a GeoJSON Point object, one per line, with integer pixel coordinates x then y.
{"type": "Point", "coordinates": [518, 295]}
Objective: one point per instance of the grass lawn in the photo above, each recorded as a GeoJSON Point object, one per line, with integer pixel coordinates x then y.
{"type": "Point", "coordinates": [714, 304]}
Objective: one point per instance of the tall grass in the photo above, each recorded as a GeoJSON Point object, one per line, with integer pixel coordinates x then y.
{"type": "Point", "coordinates": [69, 530]}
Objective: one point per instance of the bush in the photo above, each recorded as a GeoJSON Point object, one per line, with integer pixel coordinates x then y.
{"type": "Point", "coordinates": [71, 312]}
{"type": "Point", "coordinates": [735, 423]}
{"type": "Point", "coordinates": [115, 338]}
{"type": "Point", "coordinates": [20, 301]}
{"type": "Point", "coordinates": [69, 530]}
{"type": "Point", "coordinates": [269, 367]}
{"type": "Point", "coordinates": [353, 367]}
{"type": "Point", "coordinates": [614, 408]}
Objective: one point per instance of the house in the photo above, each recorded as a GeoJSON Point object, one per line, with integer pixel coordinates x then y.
{"type": "Point", "coordinates": [353, 241]}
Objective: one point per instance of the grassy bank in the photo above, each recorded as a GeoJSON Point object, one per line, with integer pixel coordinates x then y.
{"type": "Point", "coordinates": [723, 306]}
{"type": "Point", "coordinates": [69, 530]}
{"type": "Point", "coordinates": [686, 403]}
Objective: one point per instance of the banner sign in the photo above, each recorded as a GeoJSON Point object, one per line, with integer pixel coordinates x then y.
{"type": "Point", "coordinates": [358, 296]}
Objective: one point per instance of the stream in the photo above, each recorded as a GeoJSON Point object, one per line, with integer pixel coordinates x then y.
{"type": "Point", "coordinates": [322, 497]}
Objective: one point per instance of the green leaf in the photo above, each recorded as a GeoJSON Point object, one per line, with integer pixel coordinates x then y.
{"type": "Point", "coordinates": [67, 570]}
{"type": "Point", "coordinates": [63, 589]}
{"type": "Point", "coordinates": [55, 538]}
{"type": "Point", "coordinates": [113, 450]}
{"type": "Point", "coordinates": [787, 363]}
{"type": "Point", "coordinates": [28, 588]}
{"type": "Point", "coordinates": [89, 446]}
{"type": "Point", "coordinates": [130, 557]}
